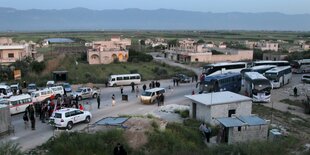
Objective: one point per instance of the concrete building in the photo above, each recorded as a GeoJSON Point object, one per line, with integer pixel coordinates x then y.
{"type": "Point", "coordinates": [267, 46]}
{"type": "Point", "coordinates": [249, 44]}
{"type": "Point", "coordinates": [6, 41]}
{"type": "Point", "coordinates": [105, 52]}
{"type": "Point", "coordinates": [208, 107]}
{"type": "Point", "coordinates": [242, 129]}
{"type": "Point", "coordinates": [205, 55]}
{"type": "Point", "coordinates": [10, 53]}
{"type": "Point", "coordinates": [274, 56]}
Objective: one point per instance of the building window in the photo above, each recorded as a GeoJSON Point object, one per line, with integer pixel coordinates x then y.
{"type": "Point", "coordinates": [239, 128]}
{"type": "Point", "coordinates": [11, 55]}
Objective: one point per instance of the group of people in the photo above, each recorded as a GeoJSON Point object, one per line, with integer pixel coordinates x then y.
{"type": "Point", "coordinates": [153, 84]}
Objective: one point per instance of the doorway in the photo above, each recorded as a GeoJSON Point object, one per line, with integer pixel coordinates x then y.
{"type": "Point", "coordinates": [194, 108]}
{"type": "Point", "coordinates": [231, 112]}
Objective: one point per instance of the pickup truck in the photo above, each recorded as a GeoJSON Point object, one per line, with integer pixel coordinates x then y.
{"type": "Point", "coordinates": [85, 92]}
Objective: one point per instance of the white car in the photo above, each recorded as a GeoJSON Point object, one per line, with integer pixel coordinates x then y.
{"type": "Point", "coordinates": [66, 118]}
{"type": "Point", "coordinates": [58, 91]}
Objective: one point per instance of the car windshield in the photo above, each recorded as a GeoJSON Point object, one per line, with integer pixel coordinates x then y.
{"type": "Point", "coordinates": [57, 115]}
{"type": "Point", "coordinates": [79, 90]}
{"type": "Point", "coordinates": [67, 86]}
{"type": "Point", "coordinates": [146, 93]}
{"type": "Point", "coordinates": [32, 87]}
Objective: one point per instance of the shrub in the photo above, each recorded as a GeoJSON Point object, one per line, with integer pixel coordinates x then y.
{"type": "Point", "coordinates": [184, 113]}
{"type": "Point", "coordinates": [10, 148]}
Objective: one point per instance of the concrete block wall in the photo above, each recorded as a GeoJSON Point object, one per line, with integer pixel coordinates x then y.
{"type": "Point", "coordinates": [5, 118]}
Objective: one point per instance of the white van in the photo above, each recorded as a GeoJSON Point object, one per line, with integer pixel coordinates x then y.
{"type": "Point", "coordinates": [17, 103]}
{"type": "Point", "coordinates": [149, 96]}
{"type": "Point", "coordinates": [41, 95]}
{"type": "Point", "coordinates": [58, 91]}
{"type": "Point", "coordinates": [124, 79]}
{"type": "Point", "coordinates": [5, 91]}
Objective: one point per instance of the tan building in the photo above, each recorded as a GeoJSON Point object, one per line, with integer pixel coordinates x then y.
{"type": "Point", "coordinates": [274, 56]}
{"type": "Point", "coordinates": [5, 41]}
{"type": "Point", "coordinates": [267, 46]}
{"type": "Point", "coordinates": [105, 52]}
{"type": "Point", "coordinates": [206, 56]}
{"type": "Point", "coordinates": [10, 53]}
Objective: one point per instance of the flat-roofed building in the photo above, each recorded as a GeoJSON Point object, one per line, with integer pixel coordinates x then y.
{"type": "Point", "coordinates": [208, 107]}
{"type": "Point", "coordinates": [10, 53]}
{"type": "Point", "coordinates": [242, 129]}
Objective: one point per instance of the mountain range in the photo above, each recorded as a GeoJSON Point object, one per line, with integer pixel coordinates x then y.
{"type": "Point", "coordinates": [137, 19]}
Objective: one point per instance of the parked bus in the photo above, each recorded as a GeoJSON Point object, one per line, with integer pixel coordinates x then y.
{"type": "Point", "coordinates": [17, 103]}
{"type": "Point", "coordinates": [220, 68]}
{"type": "Point", "coordinates": [259, 69]}
{"type": "Point", "coordinates": [124, 79]}
{"type": "Point", "coordinates": [270, 62]}
{"type": "Point", "coordinates": [5, 91]}
{"type": "Point", "coordinates": [301, 66]}
{"type": "Point", "coordinates": [222, 82]}
{"type": "Point", "coordinates": [279, 76]}
{"type": "Point", "coordinates": [257, 86]}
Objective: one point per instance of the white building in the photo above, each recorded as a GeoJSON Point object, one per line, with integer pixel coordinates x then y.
{"type": "Point", "coordinates": [242, 129]}
{"type": "Point", "coordinates": [268, 46]}
{"type": "Point", "coordinates": [208, 107]}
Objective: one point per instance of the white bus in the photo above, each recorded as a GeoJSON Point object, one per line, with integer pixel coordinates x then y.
{"type": "Point", "coordinates": [260, 69]}
{"type": "Point", "coordinates": [279, 76]}
{"type": "Point", "coordinates": [270, 62]}
{"type": "Point", "coordinates": [124, 79]}
{"type": "Point", "coordinates": [225, 67]}
{"type": "Point", "coordinates": [257, 86]}
{"type": "Point", "coordinates": [41, 95]}
{"type": "Point", "coordinates": [17, 103]}
{"type": "Point", "coordinates": [301, 66]}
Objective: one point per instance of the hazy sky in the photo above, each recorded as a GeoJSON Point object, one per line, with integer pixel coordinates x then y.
{"type": "Point", "coordinates": [283, 6]}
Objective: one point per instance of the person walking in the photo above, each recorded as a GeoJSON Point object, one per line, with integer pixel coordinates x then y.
{"type": "Point", "coordinates": [98, 101]}
{"type": "Point", "coordinates": [113, 100]}
{"type": "Point", "coordinates": [31, 112]}
{"type": "Point", "coordinates": [26, 120]}
{"type": "Point", "coordinates": [144, 87]}
{"type": "Point", "coordinates": [132, 87]}
{"type": "Point", "coordinates": [122, 88]}
{"type": "Point", "coordinates": [295, 91]}
{"type": "Point", "coordinates": [137, 91]}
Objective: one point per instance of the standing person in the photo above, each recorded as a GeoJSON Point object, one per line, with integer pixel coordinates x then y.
{"type": "Point", "coordinates": [295, 91]}
{"type": "Point", "coordinates": [162, 99]}
{"type": "Point", "coordinates": [132, 87]}
{"type": "Point", "coordinates": [137, 91]}
{"type": "Point", "coordinates": [113, 100]}
{"type": "Point", "coordinates": [25, 84]}
{"type": "Point", "coordinates": [122, 88]}
{"type": "Point", "coordinates": [119, 150]}
{"type": "Point", "coordinates": [174, 81]}
{"type": "Point", "coordinates": [153, 84]}
{"type": "Point", "coordinates": [193, 92]}
{"type": "Point", "coordinates": [144, 87]}
{"type": "Point", "coordinates": [31, 113]}
{"type": "Point", "coordinates": [158, 99]}
{"type": "Point", "coordinates": [177, 82]}
{"type": "Point", "coordinates": [76, 102]}
{"type": "Point", "coordinates": [150, 85]}
{"type": "Point", "coordinates": [81, 107]}
{"type": "Point", "coordinates": [208, 133]}
{"type": "Point", "coordinates": [98, 101]}
{"type": "Point", "coordinates": [26, 120]}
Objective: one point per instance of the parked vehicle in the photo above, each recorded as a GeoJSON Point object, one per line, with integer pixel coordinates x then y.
{"type": "Point", "coordinates": [58, 91]}
{"type": "Point", "coordinates": [66, 118]}
{"type": "Point", "coordinates": [270, 62]}
{"type": "Point", "coordinates": [18, 104]}
{"type": "Point", "coordinates": [5, 91]}
{"type": "Point", "coordinates": [15, 88]}
{"type": "Point", "coordinates": [182, 78]}
{"type": "Point", "coordinates": [221, 82]}
{"type": "Point", "coordinates": [305, 78]}
{"type": "Point", "coordinates": [220, 68]}
{"type": "Point", "coordinates": [301, 66]}
{"type": "Point", "coordinates": [50, 84]}
{"type": "Point", "coordinates": [32, 88]}
{"type": "Point", "coordinates": [149, 96]}
{"type": "Point", "coordinates": [41, 95]}
{"type": "Point", "coordinates": [67, 87]}
{"type": "Point", "coordinates": [257, 86]}
{"type": "Point", "coordinates": [85, 92]}
{"type": "Point", "coordinates": [279, 76]}
{"type": "Point", "coordinates": [124, 79]}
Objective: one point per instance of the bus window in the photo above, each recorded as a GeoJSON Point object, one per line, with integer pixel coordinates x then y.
{"type": "Point", "coordinates": [126, 77]}
{"type": "Point", "coordinates": [119, 78]}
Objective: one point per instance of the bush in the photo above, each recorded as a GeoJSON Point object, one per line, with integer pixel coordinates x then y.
{"type": "Point", "coordinates": [9, 148]}
{"type": "Point", "coordinates": [184, 113]}
{"type": "Point", "coordinates": [37, 67]}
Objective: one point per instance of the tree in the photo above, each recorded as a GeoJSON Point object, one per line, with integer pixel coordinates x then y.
{"type": "Point", "coordinates": [142, 42]}
{"type": "Point", "coordinates": [173, 42]}
{"type": "Point", "coordinates": [200, 41]}
{"type": "Point", "coordinates": [37, 67]}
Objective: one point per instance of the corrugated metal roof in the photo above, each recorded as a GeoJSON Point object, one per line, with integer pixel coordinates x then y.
{"type": "Point", "coordinates": [252, 120]}
{"type": "Point", "coordinates": [230, 121]}
{"type": "Point", "coordinates": [224, 97]}
{"type": "Point", "coordinates": [8, 47]}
